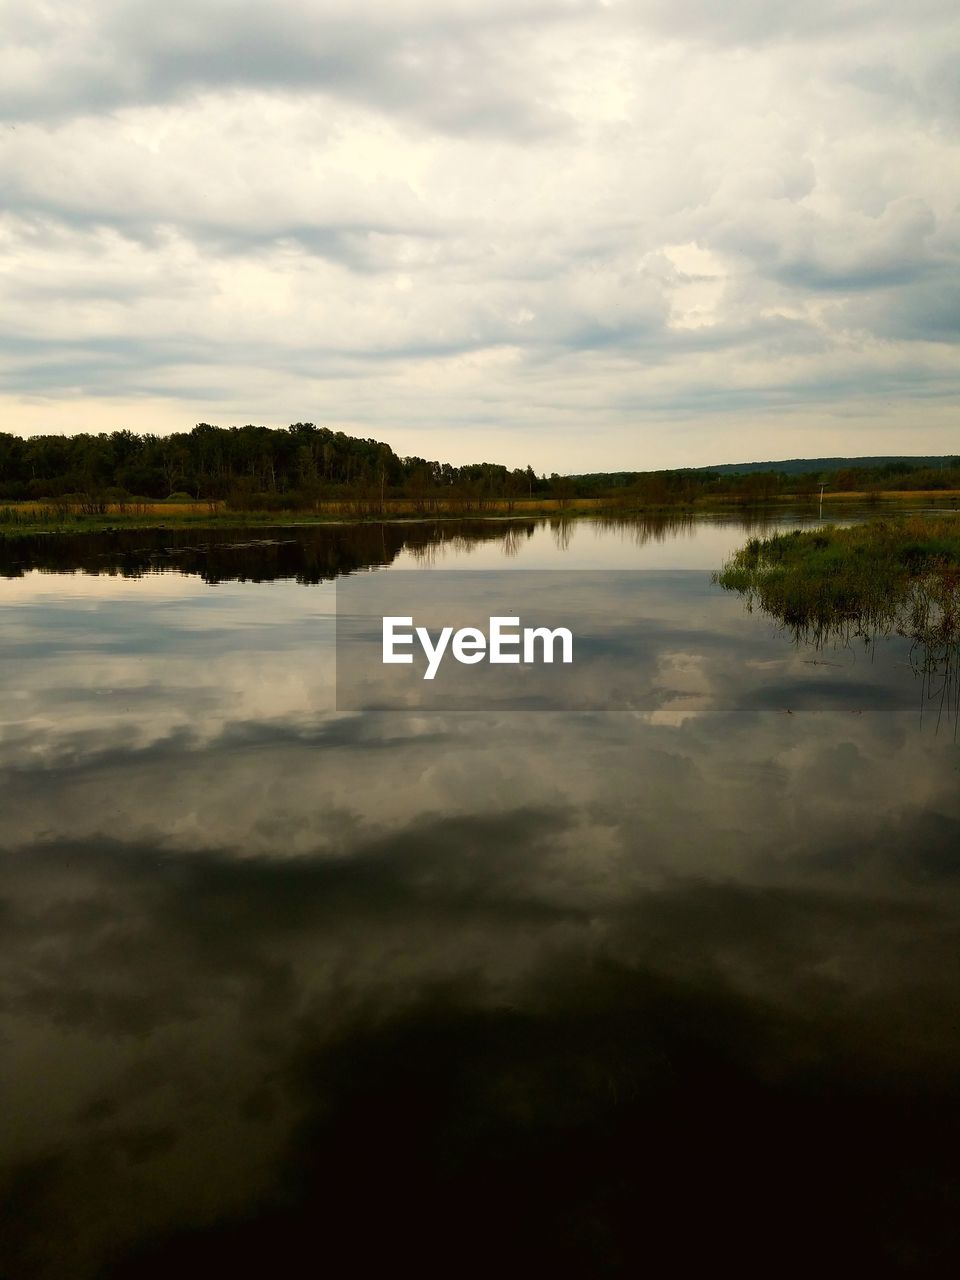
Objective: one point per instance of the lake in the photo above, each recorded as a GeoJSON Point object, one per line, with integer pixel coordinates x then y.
{"type": "Point", "coordinates": [661, 983]}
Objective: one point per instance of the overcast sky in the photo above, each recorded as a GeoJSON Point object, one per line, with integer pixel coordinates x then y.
{"type": "Point", "coordinates": [581, 233]}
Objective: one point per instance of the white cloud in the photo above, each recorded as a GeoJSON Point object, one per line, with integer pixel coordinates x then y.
{"type": "Point", "coordinates": [580, 234]}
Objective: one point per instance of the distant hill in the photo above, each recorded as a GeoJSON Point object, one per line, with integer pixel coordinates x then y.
{"type": "Point", "coordinates": [800, 466]}
{"type": "Point", "coordinates": [790, 475]}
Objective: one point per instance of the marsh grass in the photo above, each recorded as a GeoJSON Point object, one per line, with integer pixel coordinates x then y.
{"type": "Point", "coordinates": [832, 586]}
{"type": "Point", "coordinates": [875, 576]}
{"type": "Point", "coordinates": [34, 516]}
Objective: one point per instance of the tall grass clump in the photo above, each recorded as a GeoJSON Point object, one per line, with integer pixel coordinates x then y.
{"type": "Point", "coordinates": [887, 575]}
{"type": "Point", "coordinates": [34, 517]}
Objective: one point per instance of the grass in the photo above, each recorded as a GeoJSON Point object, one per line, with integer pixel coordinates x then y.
{"type": "Point", "coordinates": [181, 511]}
{"type": "Point", "coordinates": [897, 575]}
{"type": "Point", "coordinates": [74, 517]}
{"type": "Point", "coordinates": [57, 517]}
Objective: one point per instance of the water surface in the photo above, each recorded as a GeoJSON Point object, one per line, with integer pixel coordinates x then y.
{"type": "Point", "coordinates": [545, 992]}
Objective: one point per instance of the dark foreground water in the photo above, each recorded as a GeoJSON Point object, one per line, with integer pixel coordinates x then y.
{"type": "Point", "coordinates": [651, 990]}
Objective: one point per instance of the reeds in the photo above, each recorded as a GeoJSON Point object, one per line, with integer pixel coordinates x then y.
{"type": "Point", "coordinates": [889, 577]}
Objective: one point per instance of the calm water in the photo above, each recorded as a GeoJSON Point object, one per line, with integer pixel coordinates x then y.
{"type": "Point", "coordinates": [546, 993]}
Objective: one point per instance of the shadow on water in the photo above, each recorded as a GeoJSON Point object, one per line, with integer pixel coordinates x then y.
{"type": "Point", "coordinates": [634, 1128]}
{"type": "Point", "coordinates": [318, 553]}
{"type": "Point", "coordinates": [308, 554]}
{"type": "Point", "coordinates": [614, 1106]}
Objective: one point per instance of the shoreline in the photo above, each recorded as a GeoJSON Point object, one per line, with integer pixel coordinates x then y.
{"type": "Point", "coordinates": [39, 517]}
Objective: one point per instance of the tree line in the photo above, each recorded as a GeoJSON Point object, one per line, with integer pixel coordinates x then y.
{"type": "Point", "coordinates": [248, 466]}
{"type": "Point", "coordinates": [687, 486]}
{"type": "Point", "coordinates": [253, 467]}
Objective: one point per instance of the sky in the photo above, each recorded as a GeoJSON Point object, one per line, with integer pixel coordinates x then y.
{"type": "Point", "coordinates": [579, 234]}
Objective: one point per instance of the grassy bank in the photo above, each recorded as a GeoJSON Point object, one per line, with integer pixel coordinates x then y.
{"type": "Point", "coordinates": [50, 516]}
{"type": "Point", "coordinates": [60, 516]}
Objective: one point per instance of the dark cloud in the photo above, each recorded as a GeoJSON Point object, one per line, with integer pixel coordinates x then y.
{"type": "Point", "coordinates": [453, 70]}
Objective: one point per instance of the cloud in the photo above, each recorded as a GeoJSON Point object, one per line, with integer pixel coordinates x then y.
{"type": "Point", "coordinates": [449, 65]}
{"type": "Point", "coordinates": [473, 228]}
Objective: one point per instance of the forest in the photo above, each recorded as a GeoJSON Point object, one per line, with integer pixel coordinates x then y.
{"type": "Point", "coordinates": [247, 466]}
{"type": "Point", "coordinates": [263, 468]}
